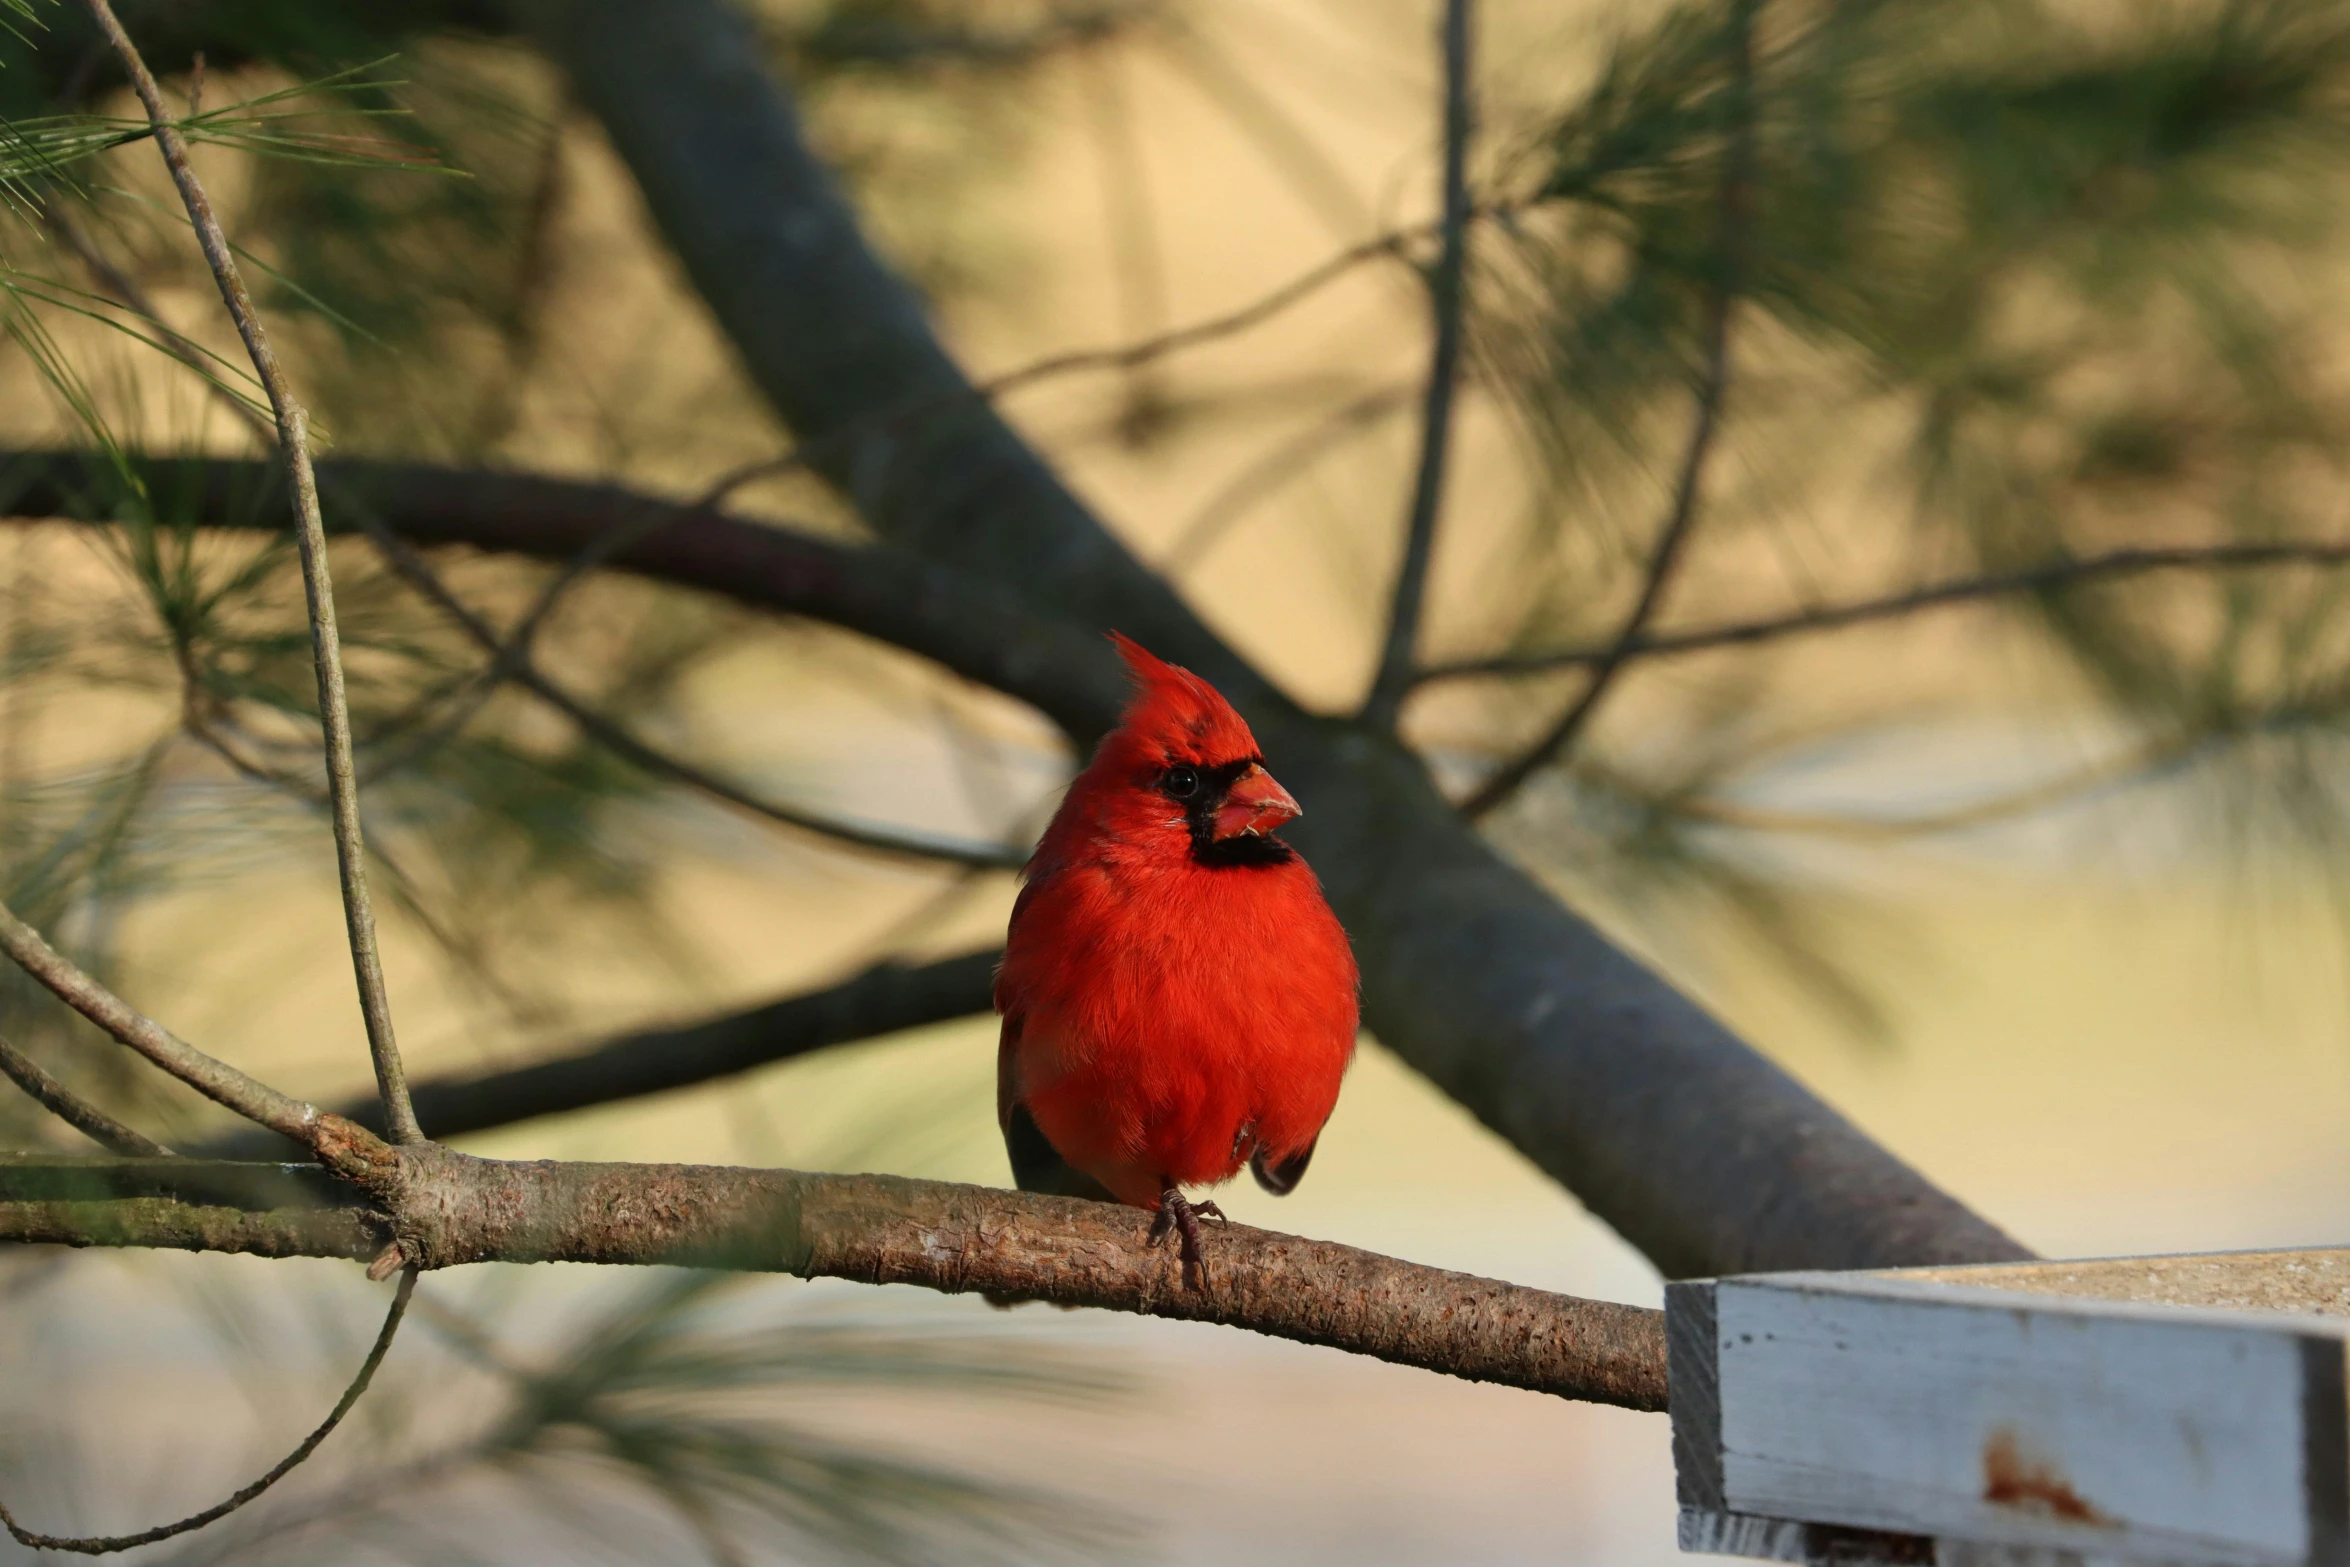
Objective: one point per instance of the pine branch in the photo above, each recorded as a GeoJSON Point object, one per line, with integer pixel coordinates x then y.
{"type": "Point", "coordinates": [216, 1080]}
{"type": "Point", "coordinates": [909, 419]}
{"type": "Point", "coordinates": [449, 1209]}
{"type": "Point", "coordinates": [2071, 572]}
{"type": "Point", "coordinates": [1287, 460]}
{"type": "Point", "coordinates": [1447, 288]}
{"type": "Point", "coordinates": [617, 738]}
{"type": "Point", "coordinates": [334, 713]}
{"type": "Point", "coordinates": [1737, 177]}
{"type": "Point", "coordinates": [885, 999]}
{"type": "Point", "coordinates": [75, 1111]}
{"type": "Point", "coordinates": [106, 1545]}
{"type": "Point", "coordinates": [962, 623]}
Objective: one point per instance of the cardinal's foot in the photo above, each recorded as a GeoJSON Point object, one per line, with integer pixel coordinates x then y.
{"type": "Point", "coordinates": [1179, 1215]}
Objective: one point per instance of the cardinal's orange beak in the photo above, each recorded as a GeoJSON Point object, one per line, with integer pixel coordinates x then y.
{"type": "Point", "coordinates": [1254, 806]}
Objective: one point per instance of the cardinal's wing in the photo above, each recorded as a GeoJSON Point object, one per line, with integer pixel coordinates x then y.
{"type": "Point", "coordinates": [1036, 1165]}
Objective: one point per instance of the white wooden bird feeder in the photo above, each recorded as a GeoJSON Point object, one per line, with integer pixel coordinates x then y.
{"type": "Point", "coordinates": [2184, 1410]}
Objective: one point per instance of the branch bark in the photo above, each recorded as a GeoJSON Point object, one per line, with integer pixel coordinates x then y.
{"type": "Point", "coordinates": [448, 1209]}
{"type": "Point", "coordinates": [75, 1111]}
{"type": "Point", "coordinates": [1704, 1155]}
{"type": "Point", "coordinates": [216, 1080]}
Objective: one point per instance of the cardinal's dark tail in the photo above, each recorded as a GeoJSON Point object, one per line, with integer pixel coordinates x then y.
{"type": "Point", "coordinates": [1281, 1179]}
{"type": "Point", "coordinates": [1038, 1167]}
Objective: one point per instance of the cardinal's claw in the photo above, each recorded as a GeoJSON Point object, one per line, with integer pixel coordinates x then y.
{"type": "Point", "coordinates": [1179, 1215]}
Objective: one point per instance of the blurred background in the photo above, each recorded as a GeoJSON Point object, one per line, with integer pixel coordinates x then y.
{"type": "Point", "coordinates": [2044, 888]}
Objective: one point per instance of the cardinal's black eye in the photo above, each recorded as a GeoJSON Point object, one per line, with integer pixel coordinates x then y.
{"type": "Point", "coordinates": [1180, 782]}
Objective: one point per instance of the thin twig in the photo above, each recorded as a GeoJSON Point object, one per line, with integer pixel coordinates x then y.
{"type": "Point", "coordinates": [1265, 118]}
{"type": "Point", "coordinates": [510, 657]}
{"type": "Point", "coordinates": [103, 1545]}
{"type": "Point", "coordinates": [1737, 174]}
{"type": "Point", "coordinates": [216, 1080]}
{"type": "Point", "coordinates": [1138, 267]}
{"type": "Point", "coordinates": [75, 1111]}
{"type": "Point", "coordinates": [618, 738]}
{"type": "Point", "coordinates": [2136, 765]}
{"type": "Point", "coordinates": [310, 533]}
{"type": "Point", "coordinates": [125, 288]}
{"type": "Point", "coordinates": [1447, 285]}
{"type": "Point", "coordinates": [1938, 595]}
{"type": "Point", "coordinates": [1124, 356]}
{"type": "Point", "coordinates": [1268, 473]}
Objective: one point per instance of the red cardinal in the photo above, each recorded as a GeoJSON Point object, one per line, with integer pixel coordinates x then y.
{"type": "Point", "coordinates": [1178, 999]}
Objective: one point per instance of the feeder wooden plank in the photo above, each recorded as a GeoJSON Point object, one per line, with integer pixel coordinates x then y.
{"type": "Point", "coordinates": [2163, 1410]}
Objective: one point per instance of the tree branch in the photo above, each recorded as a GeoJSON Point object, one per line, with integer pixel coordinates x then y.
{"type": "Point", "coordinates": [875, 1229]}
{"type": "Point", "coordinates": [964, 624]}
{"type": "Point", "coordinates": [1447, 288]}
{"type": "Point", "coordinates": [334, 712]}
{"type": "Point", "coordinates": [514, 659]}
{"type": "Point", "coordinates": [2070, 572]}
{"type": "Point", "coordinates": [887, 998]}
{"type": "Point", "coordinates": [1737, 175]}
{"type": "Point", "coordinates": [106, 1545]}
{"type": "Point", "coordinates": [1289, 459]}
{"type": "Point", "coordinates": [216, 1080]}
{"type": "Point", "coordinates": [1135, 355]}
{"type": "Point", "coordinates": [73, 1110]}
